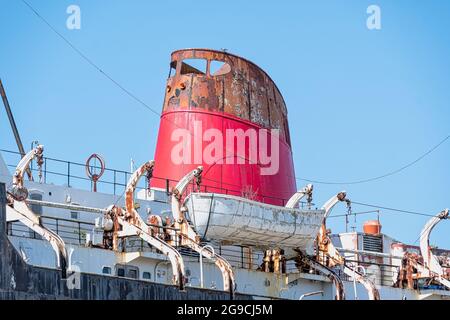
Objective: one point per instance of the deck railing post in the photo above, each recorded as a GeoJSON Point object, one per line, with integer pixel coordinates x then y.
{"type": "Point", "coordinates": [45, 170]}
{"type": "Point", "coordinates": [79, 232]}
{"type": "Point", "coordinates": [114, 182]}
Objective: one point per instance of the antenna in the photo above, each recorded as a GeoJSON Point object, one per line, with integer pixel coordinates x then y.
{"type": "Point", "coordinates": [14, 127]}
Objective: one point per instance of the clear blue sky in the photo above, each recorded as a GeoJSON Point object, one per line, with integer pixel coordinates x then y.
{"type": "Point", "coordinates": [361, 103]}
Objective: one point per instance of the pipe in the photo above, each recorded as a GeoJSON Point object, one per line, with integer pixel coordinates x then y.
{"type": "Point", "coordinates": [310, 294]}
{"type": "Point", "coordinates": [14, 127]}
{"type": "Point", "coordinates": [370, 253]}
{"type": "Point", "coordinates": [65, 206]}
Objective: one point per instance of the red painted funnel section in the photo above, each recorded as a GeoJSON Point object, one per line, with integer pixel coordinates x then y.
{"type": "Point", "coordinates": [225, 113]}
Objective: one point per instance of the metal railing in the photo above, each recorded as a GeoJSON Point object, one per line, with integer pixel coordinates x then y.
{"type": "Point", "coordinates": [74, 232]}
{"type": "Point", "coordinates": [113, 181]}
{"type": "Point", "coordinates": [71, 231]}
{"type": "Point", "coordinates": [73, 174]}
{"type": "Point", "coordinates": [237, 256]}
{"type": "Point", "coordinates": [380, 273]}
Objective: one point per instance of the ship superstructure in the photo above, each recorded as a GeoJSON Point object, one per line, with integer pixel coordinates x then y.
{"type": "Point", "coordinates": [223, 224]}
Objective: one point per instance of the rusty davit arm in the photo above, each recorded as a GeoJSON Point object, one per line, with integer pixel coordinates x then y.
{"type": "Point", "coordinates": [366, 282]}
{"type": "Point", "coordinates": [328, 272]}
{"type": "Point", "coordinates": [328, 254]}
{"type": "Point", "coordinates": [133, 225]}
{"type": "Point", "coordinates": [18, 191]}
{"type": "Point", "coordinates": [431, 265]}
{"type": "Point", "coordinates": [299, 195]}
{"type": "Point", "coordinates": [191, 239]}
{"type": "Point", "coordinates": [19, 209]}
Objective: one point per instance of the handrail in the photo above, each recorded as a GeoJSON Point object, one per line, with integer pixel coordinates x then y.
{"type": "Point", "coordinates": [73, 231]}
{"type": "Point", "coordinates": [68, 174]}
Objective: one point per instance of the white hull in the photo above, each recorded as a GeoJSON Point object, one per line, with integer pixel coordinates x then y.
{"type": "Point", "coordinates": [232, 218]}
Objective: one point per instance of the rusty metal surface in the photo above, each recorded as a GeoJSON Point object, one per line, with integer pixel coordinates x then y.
{"type": "Point", "coordinates": [329, 256]}
{"type": "Point", "coordinates": [131, 213]}
{"type": "Point", "coordinates": [238, 98]}
{"type": "Point", "coordinates": [130, 223]}
{"type": "Point", "coordinates": [18, 209]}
{"type": "Point", "coordinates": [243, 90]}
{"type": "Point", "coordinates": [425, 265]}
{"type": "Point", "coordinates": [328, 272]}
{"type": "Point", "coordinates": [89, 169]}
{"type": "Point", "coordinates": [17, 190]}
{"type": "Point", "coordinates": [431, 262]}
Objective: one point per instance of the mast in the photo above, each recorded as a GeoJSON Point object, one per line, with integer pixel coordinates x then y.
{"type": "Point", "coordinates": [13, 126]}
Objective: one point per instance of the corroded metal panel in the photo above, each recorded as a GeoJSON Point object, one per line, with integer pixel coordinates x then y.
{"type": "Point", "coordinates": [240, 88]}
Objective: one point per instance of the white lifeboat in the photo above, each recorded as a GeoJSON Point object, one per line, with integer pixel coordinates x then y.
{"type": "Point", "coordinates": [240, 221]}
